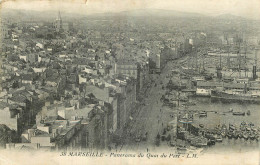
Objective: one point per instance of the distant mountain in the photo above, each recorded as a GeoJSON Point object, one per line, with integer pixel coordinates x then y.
{"type": "Point", "coordinates": [51, 14]}
{"type": "Point", "coordinates": [36, 15]}
{"type": "Point", "coordinates": [152, 13]}
{"type": "Point", "coordinates": [229, 17]}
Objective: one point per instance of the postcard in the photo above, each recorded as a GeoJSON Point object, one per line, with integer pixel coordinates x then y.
{"type": "Point", "coordinates": [129, 82]}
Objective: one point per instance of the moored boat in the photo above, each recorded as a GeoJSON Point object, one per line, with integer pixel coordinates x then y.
{"type": "Point", "coordinates": [248, 128]}
{"type": "Point", "coordinates": [219, 139]}
{"type": "Point", "coordinates": [235, 135]}
{"type": "Point", "coordinates": [248, 113]}
{"type": "Point", "coordinates": [239, 113]}
{"type": "Point", "coordinates": [231, 97]}
{"type": "Point", "coordinates": [229, 135]}
{"type": "Point", "coordinates": [223, 134]}
{"type": "Point", "coordinates": [252, 136]}
{"type": "Point", "coordinates": [203, 114]}
{"type": "Point", "coordinates": [245, 136]}
{"type": "Point", "coordinates": [203, 92]}
{"type": "Point", "coordinates": [211, 142]}
{"type": "Point", "coordinates": [231, 127]}
{"type": "Point", "coordinates": [240, 135]}
{"type": "Point", "coordinates": [253, 129]}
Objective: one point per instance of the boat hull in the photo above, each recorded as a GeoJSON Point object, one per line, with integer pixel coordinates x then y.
{"type": "Point", "coordinates": [234, 98]}
{"type": "Point", "coordinates": [239, 113]}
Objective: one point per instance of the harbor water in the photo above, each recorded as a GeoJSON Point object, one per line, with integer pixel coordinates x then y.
{"type": "Point", "coordinates": [218, 115]}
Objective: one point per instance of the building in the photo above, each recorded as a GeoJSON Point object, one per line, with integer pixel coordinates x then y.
{"type": "Point", "coordinates": [4, 30]}
{"type": "Point", "coordinates": [52, 134]}
{"type": "Point", "coordinates": [130, 69]}
{"type": "Point", "coordinates": [126, 68]}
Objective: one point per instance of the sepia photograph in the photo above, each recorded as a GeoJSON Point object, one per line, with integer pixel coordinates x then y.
{"type": "Point", "coordinates": [129, 82]}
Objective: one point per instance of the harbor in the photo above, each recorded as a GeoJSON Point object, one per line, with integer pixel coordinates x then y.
{"type": "Point", "coordinates": [216, 99]}
{"type": "Point", "coordinates": [221, 127]}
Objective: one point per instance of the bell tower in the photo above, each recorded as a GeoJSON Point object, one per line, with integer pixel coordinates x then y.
{"type": "Point", "coordinates": [58, 23]}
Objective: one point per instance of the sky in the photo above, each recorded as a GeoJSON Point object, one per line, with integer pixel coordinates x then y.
{"type": "Point", "coordinates": [244, 8]}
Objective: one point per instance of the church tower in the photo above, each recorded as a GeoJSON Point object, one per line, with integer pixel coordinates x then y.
{"type": "Point", "coordinates": [58, 23]}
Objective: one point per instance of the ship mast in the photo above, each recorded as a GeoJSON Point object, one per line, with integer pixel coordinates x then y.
{"type": "Point", "coordinates": [228, 59]}
{"type": "Point", "coordinates": [203, 64]}
{"type": "Point", "coordinates": [220, 65]}
{"type": "Point", "coordinates": [245, 58]}
{"type": "Point", "coordinates": [239, 58]}
{"type": "Point", "coordinates": [254, 67]}
{"type": "Point", "coordinates": [196, 58]}
{"type": "Point", "coordinates": [256, 56]}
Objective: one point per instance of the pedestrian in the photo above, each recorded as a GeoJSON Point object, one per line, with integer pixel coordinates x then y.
{"type": "Point", "coordinates": [147, 149]}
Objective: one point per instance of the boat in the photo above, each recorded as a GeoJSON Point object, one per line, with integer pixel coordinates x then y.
{"type": "Point", "coordinates": [245, 136]}
{"type": "Point", "coordinates": [240, 135]}
{"type": "Point", "coordinates": [219, 132]}
{"type": "Point", "coordinates": [209, 136]}
{"type": "Point", "coordinates": [224, 127]}
{"type": "Point", "coordinates": [203, 114]}
{"type": "Point", "coordinates": [239, 113]}
{"type": "Point", "coordinates": [223, 134]}
{"type": "Point", "coordinates": [235, 135]}
{"type": "Point", "coordinates": [230, 110]}
{"type": "Point", "coordinates": [251, 124]}
{"type": "Point", "coordinates": [231, 127]}
{"type": "Point", "coordinates": [254, 129]}
{"type": "Point", "coordinates": [173, 143]}
{"type": "Point", "coordinates": [242, 127]}
{"type": "Point", "coordinates": [248, 113]}
{"type": "Point", "coordinates": [186, 118]}
{"type": "Point", "coordinates": [219, 139]}
{"type": "Point", "coordinates": [234, 97]}
{"type": "Point", "coordinates": [229, 135]}
{"type": "Point", "coordinates": [243, 123]}
{"type": "Point", "coordinates": [248, 128]}
{"type": "Point", "coordinates": [252, 136]}
{"type": "Point", "coordinates": [211, 142]}
{"type": "Point", "coordinates": [202, 142]}
{"type": "Point", "coordinates": [181, 150]}
{"type": "Point", "coordinates": [203, 92]}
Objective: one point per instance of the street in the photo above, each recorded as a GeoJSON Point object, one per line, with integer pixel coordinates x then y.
{"type": "Point", "coordinates": [152, 118]}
